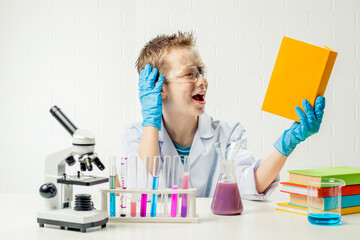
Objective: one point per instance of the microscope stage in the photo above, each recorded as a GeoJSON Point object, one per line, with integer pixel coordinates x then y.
{"type": "Point", "coordinates": [83, 181]}
{"type": "Point", "coordinates": [68, 217]}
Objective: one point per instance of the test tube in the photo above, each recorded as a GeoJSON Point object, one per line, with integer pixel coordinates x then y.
{"type": "Point", "coordinates": [112, 174]}
{"type": "Point", "coordinates": [174, 196]}
{"type": "Point", "coordinates": [155, 185]}
{"type": "Point", "coordinates": [144, 195]}
{"type": "Point", "coordinates": [133, 173]}
{"type": "Point", "coordinates": [123, 165]}
{"type": "Point", "coordinates": [184, 202]}
{"type": "Point", "coordinates": [166, 180]}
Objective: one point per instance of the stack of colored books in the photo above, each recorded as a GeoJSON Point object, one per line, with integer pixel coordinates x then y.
{"type": "Point", "coordinates": [297, 188]}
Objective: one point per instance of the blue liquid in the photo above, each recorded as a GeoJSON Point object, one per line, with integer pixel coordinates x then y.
{"type": "Point", "coordinates": [112, 204]}
{"type": "Point", "coordinates": [154, 197]}
{"type": "Point", "coordinates": [324, 218]}
{"type": "Point", "coordinates": [112, 196]}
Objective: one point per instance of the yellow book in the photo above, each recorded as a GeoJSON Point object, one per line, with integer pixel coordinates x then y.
{"type": "Point", "coordinates": [286, 207]}
{"type": "Point", "coordinates": [301, 71]}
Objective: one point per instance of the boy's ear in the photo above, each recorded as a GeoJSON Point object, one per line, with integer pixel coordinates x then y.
{"type": "Point", "coordinates": [163, 93]}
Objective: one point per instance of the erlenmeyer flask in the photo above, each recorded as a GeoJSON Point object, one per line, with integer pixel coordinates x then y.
{"type": "Point", "coordinates": [227, 200]}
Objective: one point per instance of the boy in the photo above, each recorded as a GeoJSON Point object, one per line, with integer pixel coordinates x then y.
{"type": "Point", "coordinates": [175, 122]}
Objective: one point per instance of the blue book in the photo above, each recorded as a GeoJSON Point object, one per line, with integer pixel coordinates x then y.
{"type": "Point", "coordinates": [327, 203]}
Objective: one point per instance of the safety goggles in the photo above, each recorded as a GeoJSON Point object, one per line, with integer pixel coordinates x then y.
{"type": "Point", "coordinates": [189, 74]}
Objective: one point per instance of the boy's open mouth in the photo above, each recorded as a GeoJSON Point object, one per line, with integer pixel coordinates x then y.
{"type": "Point", "coordinates": [199, 98]}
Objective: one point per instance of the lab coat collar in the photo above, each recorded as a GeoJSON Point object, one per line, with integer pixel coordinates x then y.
{"type": "Point", "coordinates": [205, 129]}
{"type": "Point", "coordinates": [204, 132]}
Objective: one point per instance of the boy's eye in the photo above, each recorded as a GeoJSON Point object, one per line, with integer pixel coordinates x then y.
{"type": "Point", "coordinates": [189, 74]}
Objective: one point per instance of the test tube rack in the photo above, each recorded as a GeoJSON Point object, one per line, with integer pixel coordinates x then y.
{"type": "Point", "coordinates": [191, 217]}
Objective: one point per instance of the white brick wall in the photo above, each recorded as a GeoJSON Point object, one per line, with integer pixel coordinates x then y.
{"type": "Point", "coordinates": [80, 55]}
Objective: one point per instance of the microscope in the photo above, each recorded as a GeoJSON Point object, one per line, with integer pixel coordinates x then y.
{"type": "Point", "coordinates": [58, 188]}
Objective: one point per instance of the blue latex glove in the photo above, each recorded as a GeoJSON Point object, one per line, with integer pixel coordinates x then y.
{"type": "Point", "coordinates": [298, 132]}
{"type": "Point", "coordinates": [150, 97]}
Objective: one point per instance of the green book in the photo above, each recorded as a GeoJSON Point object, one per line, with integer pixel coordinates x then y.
{"type": "Point", "coordinates": [350, 175]}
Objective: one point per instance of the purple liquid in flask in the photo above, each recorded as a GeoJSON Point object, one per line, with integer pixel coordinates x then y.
{"type": "Point", "coordinates": [226, 199]}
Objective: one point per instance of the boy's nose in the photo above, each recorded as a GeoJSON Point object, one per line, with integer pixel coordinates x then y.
{"type": "Point", "coordinates": [201, 81]}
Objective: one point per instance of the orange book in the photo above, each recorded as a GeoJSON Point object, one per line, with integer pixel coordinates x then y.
{"type": "Point", "coordinates": [301, 71]}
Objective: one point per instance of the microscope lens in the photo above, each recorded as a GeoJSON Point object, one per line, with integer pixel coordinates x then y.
{"type": "Point", "coordinates": [89, 165]}
{"type": "Point", "coordinates": [99, 164]}
{"type": "Point", "coordinates": [82, 166]}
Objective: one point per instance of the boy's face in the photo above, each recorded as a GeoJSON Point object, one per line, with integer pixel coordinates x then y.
{"type": "Point", "coordinates": [180, 96]}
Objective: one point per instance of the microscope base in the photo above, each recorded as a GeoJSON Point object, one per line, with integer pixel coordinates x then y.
{"type": "Point", "coordinates": [70, 219]}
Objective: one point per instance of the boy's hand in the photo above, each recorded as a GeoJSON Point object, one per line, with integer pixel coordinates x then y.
{"type": "Point", "coordinates": [150, 97]}
{"type": "Point", "coordinates": [298, 132]}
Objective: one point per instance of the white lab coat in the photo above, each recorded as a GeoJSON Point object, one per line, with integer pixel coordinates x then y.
{"type": "Point", "coordinates": [205, 166]}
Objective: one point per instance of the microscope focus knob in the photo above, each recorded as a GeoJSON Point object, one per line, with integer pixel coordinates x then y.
{"type": "Point", "coordinates": [48, 190]}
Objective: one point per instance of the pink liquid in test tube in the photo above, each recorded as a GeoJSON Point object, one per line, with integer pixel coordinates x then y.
{"type": "Point", "coordinates": [133, 209]}
{"type": "Point", "coordinates": [174, 202]}
{"type": "Point", "coordinates": [143, 205]}
{"type": "Point", "coordinates": [133, 172]}
{"type": "Point", "coordinates": [144, 195]}
{"type": "Point", "coordinates": [175, 196]}
{"type": "Point", "coordinates": [184, 196]}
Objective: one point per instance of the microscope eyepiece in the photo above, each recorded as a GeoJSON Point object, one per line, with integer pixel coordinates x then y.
{"type": "Point", "coordinates": [63, 119]}
{"type": "Point", "coordinates": [70, 160]}
{"type": "Point", "coordinates": [98, 163]}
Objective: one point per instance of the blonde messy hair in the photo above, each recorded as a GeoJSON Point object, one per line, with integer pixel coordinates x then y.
{"type": "Point", "coordinates": [155, 50]}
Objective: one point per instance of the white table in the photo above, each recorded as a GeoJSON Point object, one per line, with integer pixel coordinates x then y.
{"type": "Point", "coordinates": [258, 221]}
